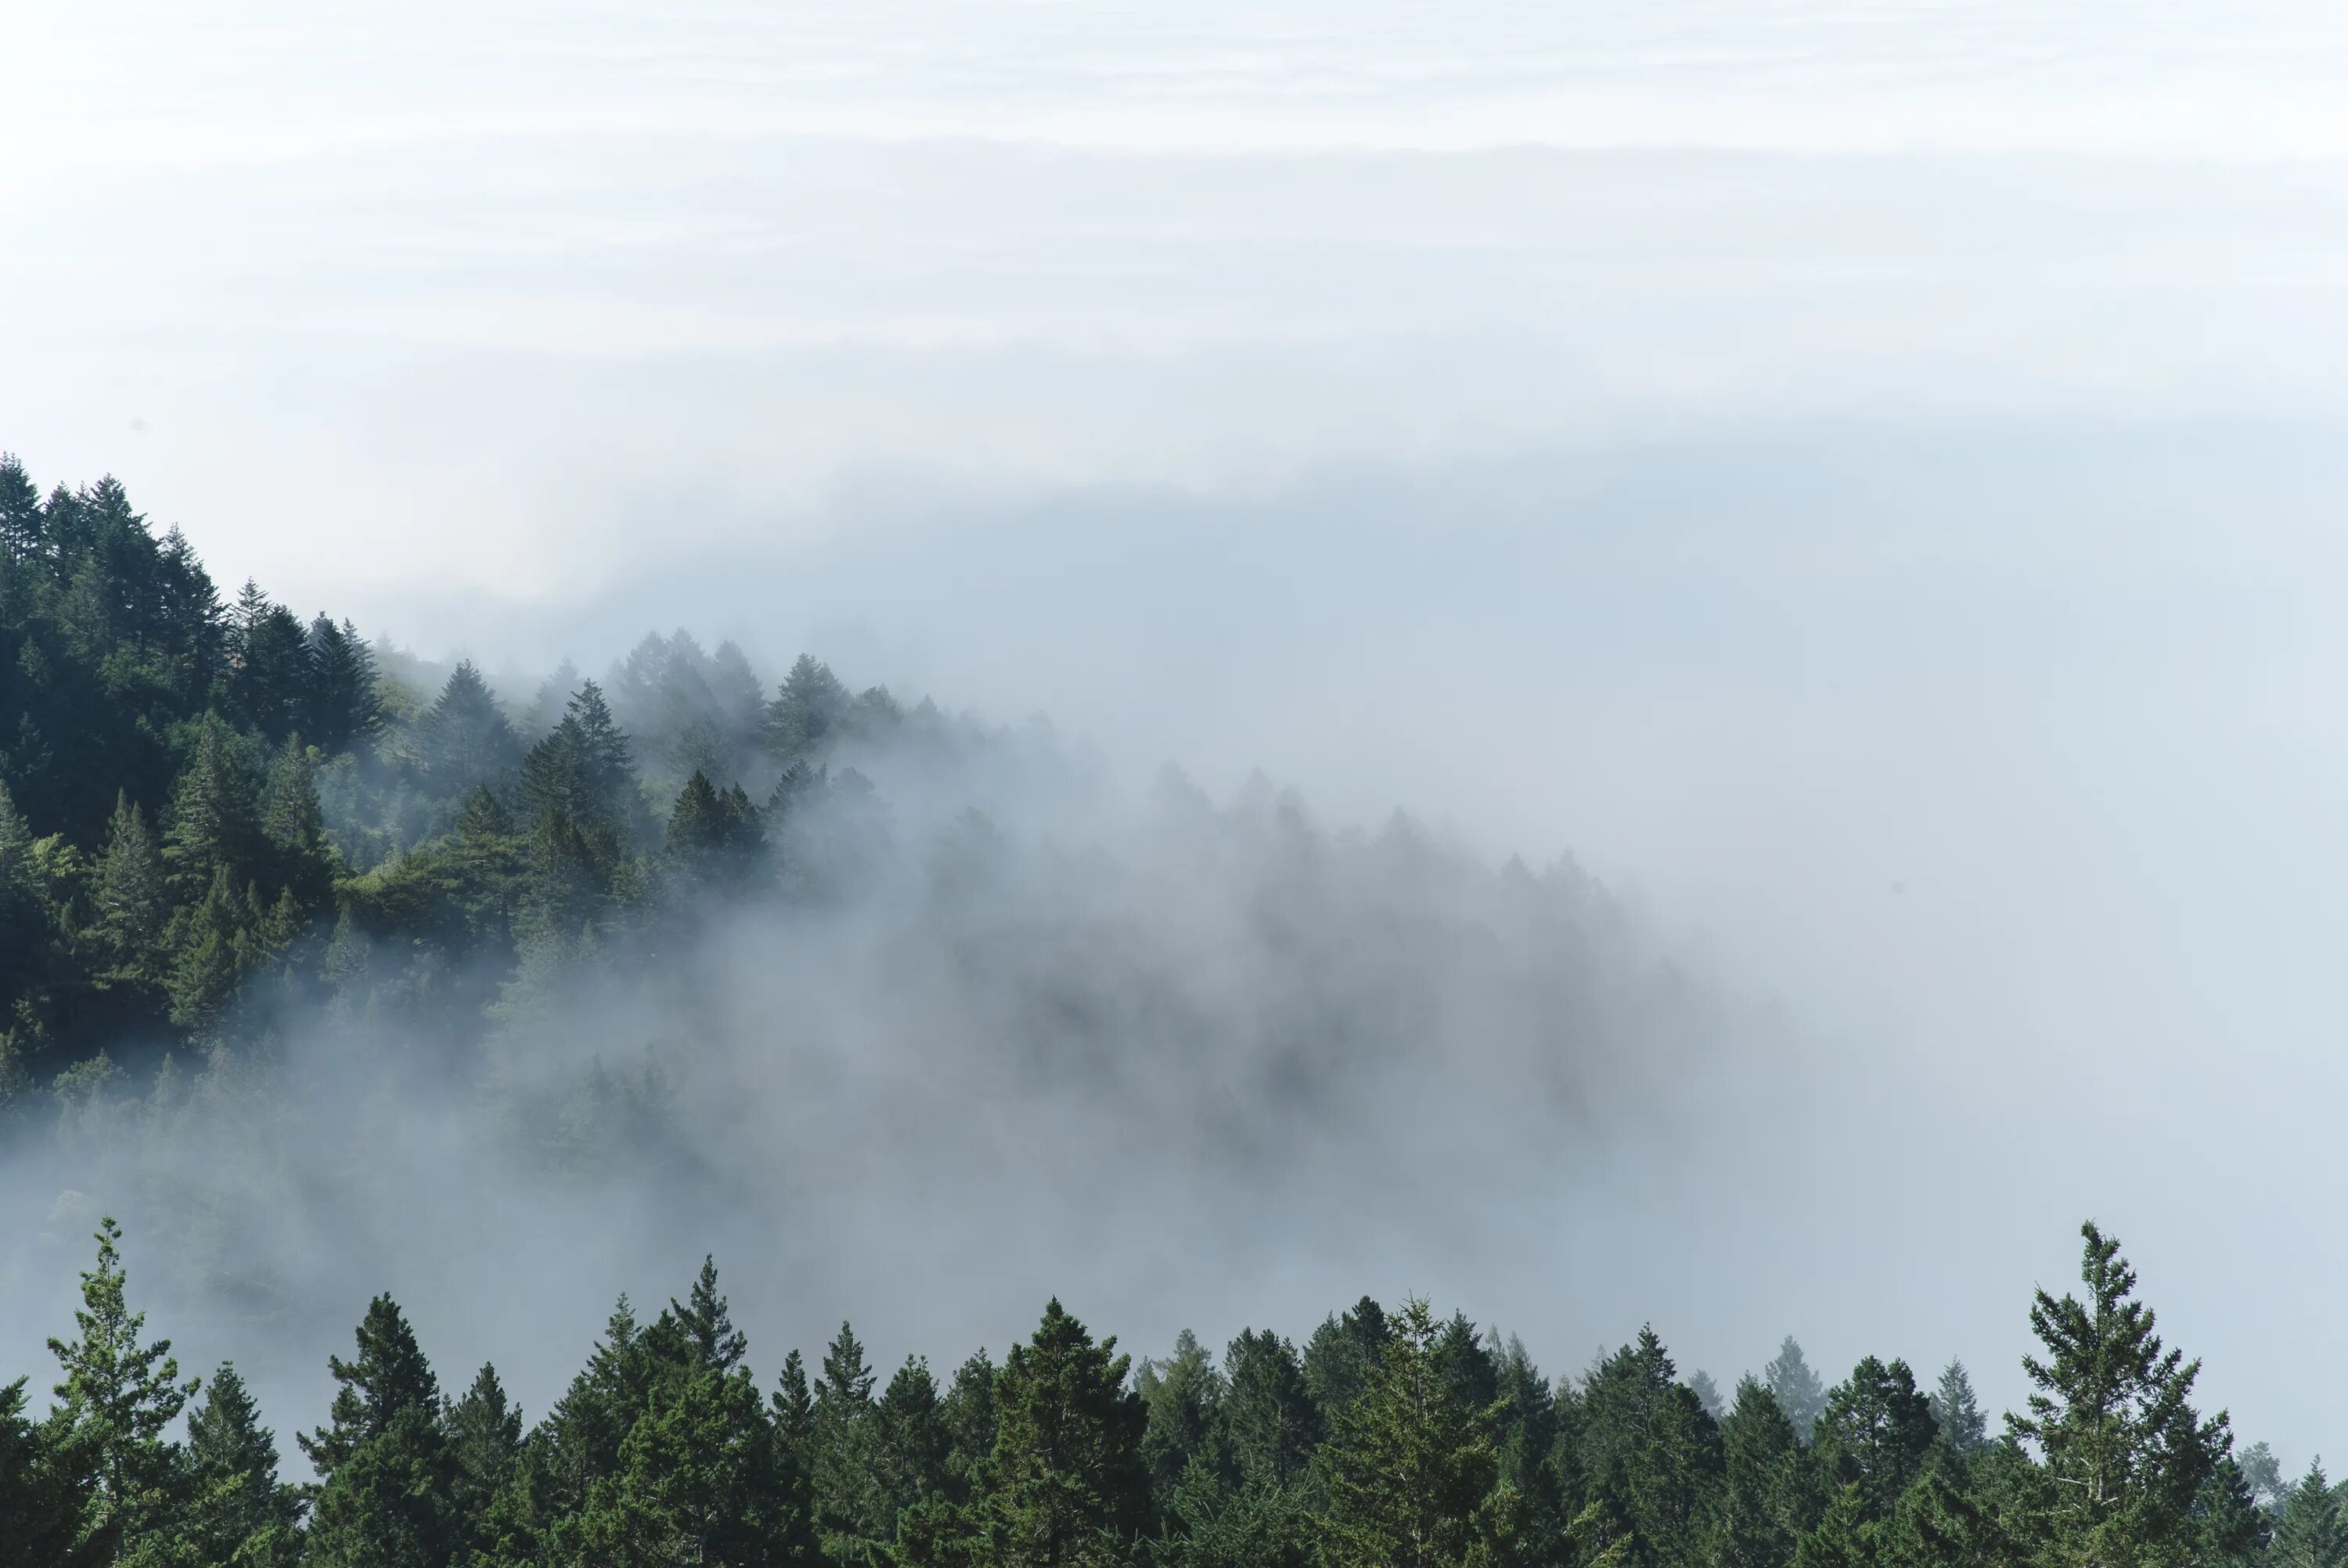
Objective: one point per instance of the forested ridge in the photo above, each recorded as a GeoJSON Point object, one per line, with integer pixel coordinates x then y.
{"type": "Point", "coordinates": [205, 804]}
{"type": "Point", "coordinates": [1386, 1439]}
{"type": "Point", "coordinates": [312, 954]}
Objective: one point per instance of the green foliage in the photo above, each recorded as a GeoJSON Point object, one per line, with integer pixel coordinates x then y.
{"type": "Point", "coordinates": [238, 1513]}
{"type": "Point", "coordinates": [387, 1478]}
{"type": "Point", "coordinates": [1065, 1483]}
{"type": "Point", "coordinates": [117, 1397]}
{"type": "Point", "coordinates": [2124, 1457]}
{"type": "Point", "coordinates": [1410, 1468]}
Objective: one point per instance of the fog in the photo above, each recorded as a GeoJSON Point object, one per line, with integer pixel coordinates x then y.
{"type": "Point", "coordinates": [1865, 492]}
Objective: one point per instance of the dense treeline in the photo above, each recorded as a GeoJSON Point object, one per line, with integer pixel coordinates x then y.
{"type": "Point", "coordinates": [1389, 1439]}
{"type": "Point", "coordinates": [209, 807]}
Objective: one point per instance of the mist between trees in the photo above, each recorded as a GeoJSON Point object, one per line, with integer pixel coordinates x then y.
{"type": "Point", "coordinates": [329, 970]}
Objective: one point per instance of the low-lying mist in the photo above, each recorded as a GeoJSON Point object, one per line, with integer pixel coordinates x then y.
{"type": "Point", "coordinates": [1007, 1029]}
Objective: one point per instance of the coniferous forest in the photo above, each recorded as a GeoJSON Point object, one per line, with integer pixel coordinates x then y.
{"type": "Point", "coordinates": [249, 858]}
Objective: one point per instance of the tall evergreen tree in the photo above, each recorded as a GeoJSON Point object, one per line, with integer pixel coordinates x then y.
{"type": "Point", "coordinates": [464, 738]}
{"type": "Point", "coordinates": [387, 1480]}
{"type": "Point", "coordinates": [1272, 1422]}
{"type": "Point", "coordinates": [131, 900]}
{"type": "Point", "coordinates": [1067, 1487]}
{"type": "Point", "coordinates": [1958, 1414]}
{"type": "Point", "coordinates": [2124, 1457]}
{"type": "Point", "coordinates": [485, 1441]}
{"type": "Point", "coordinates": [42, 1494]}
{"type": "Point", "coordinates": [2309, 1535]}
{"type": "Point", "coordinates": [345, 710]}
{"type": "Point", "coordinates": [118, 1397]}
{"type": "Point", "coordinates": [910, 1444]}
{"type": "Point", "coordinates": [1797, 1388]}
{"type": "Point", "coordinates": [240, 1515]}
{"type": "Point", "coordinates": [1764, 1498]}
{"type": "Point", "coordinates": [1410, 1469]}
{"type": "Point", "coordinates": [1342, 1355]}
{"type": "Point", "coordinates": [213, 826]}
{"type": "Point", "coordinates": [846, 1507]}
{"type": "Point", "coordinates": [1875, 1434]}
{"type": "Point", "coordinates": [1184, 1395]}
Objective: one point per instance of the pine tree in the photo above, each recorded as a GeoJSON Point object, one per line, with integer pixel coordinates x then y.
{"type": "Point", "coordinates": [968, 1414]}
{"type": "Point", "coordinates": [1183, 1395]}
{"type": "Point", "coordinates": [1797, 1388]}
{"type": "Point", "coordinates": [131, 898]}
{"type": "Point", "coordinates": [1764, 1504]}
{"type": "Point", "coordinates": [295, 828]}
{"type": "Point", "coordinates": [345, 710]}
{"type": "Point", "coordinates": [387, 1480]}
{"type": "Point", "coordinates": [485, 1441]}
{"type": "Point", "coordinates": [1621, 1400]}
{"type": "Point", "coordinates": [715, 838]}
{"type": "Point", "coordinates": [1875, 1433]}
{"type": "Point", "coordinates": [1271, 1418]}
{"type": "Point", "coordinates": [464, 738]}
{"type": "Point", "coordinates": [42, 1496]}
{"type": "Point", "coordinates": [2124, 1457]}
{"type": "Point", "coordinates": [1958, 1414]}
{"type": "Point", "coordinates": [1409, 1469]}
{"type": "Point", "coordinates": [213, 827]}
{"type": "Point", "coordinates": [239, 1513]}
{"type": "Point", "coordinates": [1344, 1354]}
{"type": "Point", "coordinates": [807, 710]}
{"type": "Point", "coordinates": [117, 1398]}
{"type": "Point", "coordinates": [2310, 1535]}
{"type": "Point", "coordinates": [908, 1444]}
{"type": "Point", "coordinates": [214, 940]}
{"type": "Point", "coordinates": [23, 533]}
{"type": "Point", "coordinates": [1067, 1487]}
{"type": "Point", "coordinates": [842, 1471]}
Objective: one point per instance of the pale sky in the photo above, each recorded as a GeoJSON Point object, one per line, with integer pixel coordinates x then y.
{"type": "Point", "coordinates": [1781, 453]}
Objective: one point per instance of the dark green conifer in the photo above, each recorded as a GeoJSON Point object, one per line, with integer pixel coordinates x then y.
{"type": "Point", "coordinates": [2124, 1459]}
{"type": "Point", "coordinates": [117, 1398]}
{"type": "Point", "coordinates": [238, 1513]}
{"type": "Point", "coordinates": [387, 1480]}
{"type": "Point", "coordinates": [1410, 1469]}
{"type": "Point", "coordinates": [1067, 1487]}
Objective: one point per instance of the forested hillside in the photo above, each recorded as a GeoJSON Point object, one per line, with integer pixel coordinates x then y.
{"type": "Point", "coordinates": [1384, 1439]}
{"type": "Point", "coordinates": [210, 806]}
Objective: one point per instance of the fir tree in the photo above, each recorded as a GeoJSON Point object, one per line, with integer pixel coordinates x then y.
{"type": "Point", "coordinates": [2308, 1534]}
{"type": "Point", "coordinates": [1958, 1414]}
{"type": "Point", "coordinates": [908, 1444]}
{"type": "Point", "coordinates": [345, 710]}
{"type": "Point", "coordinates": [42, 1498]}
{"type": "Point", "coordinates": [1272, 1422]}
{"type": "Point", "coordinates": [213, 828]}
{"type": "Point", "coordinates": [294, 826]}
{"type": "Point", "coordinates": [387, 1480]}
{"type": "Point", "coordinates": [1344, 1354]}
{"type": "Point", "coordinates": [22, 528]}
{"type": "Point", "coordinates": [846, 1507]}
{"type": "Point", "coordinates": [1875, 1433]}
{"type": "Point", "coordinates": [1067, 1487]}
{"type": "Point", "coordinates": [117, 1398]}
{"type": "Point", "coordinates": [1183, 1394]}
{"type": "Point", "coordinates": [485, 1441]}
{"type": "Point", "coordinates": [131, 898]}
{"type": "Point", "coordinates": [1794, 1386]}
{"type": "Point", "coordinates": [240, 1513]}
{"type": "Point", "coordinates": [1409, 1468]}
{"type": "Point", "coordinates": [464, 737]}
{"type": "Point", "coordinates": [1764, 1505]}
{"type": "Point", "coordinates": [2124, 1457]}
